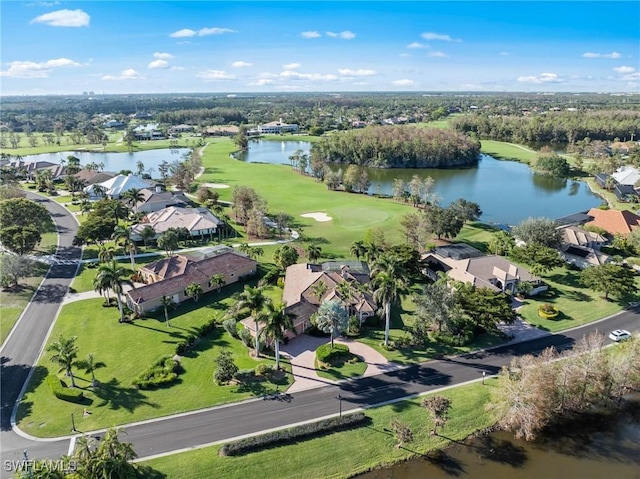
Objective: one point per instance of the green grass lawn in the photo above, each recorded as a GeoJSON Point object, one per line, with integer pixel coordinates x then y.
{"type": "Point", "coordinates": [84, 279]}
{"type": "Point", "coordinates": [14, 300]}
{"type": "Point", "coordinates": [508, 151]}
{"type": "Point", "coordinates": [342, 454]}
{"type": "Point", "coordinates": [578, 305]}
{"type": "Point", "coordinates": [345, 366]}
{"type": "Point", "coordinates": [127, 350]}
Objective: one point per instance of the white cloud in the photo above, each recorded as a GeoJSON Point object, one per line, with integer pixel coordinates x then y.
{"type": "Point", "coordinates": [291, 66]}
{"type": "Point", "coordinates": [310, 34]}
{"type": "Point", "coordinates": [319, 77]}
{"type": "Point", "coordinates": [613, 55]}
{"type": "Point", "coordinates": [162, 56]}
{"type": "Point", "coordinates": [439, 36]}
{"type": "Point", "coordinates": [27, 69]}
{"type": "Point", "coordinates": [405, 54]}
{"type": "Point", "coordinates": [631, 76]}
{"type": "Point", "coordinates": [417, 45]}
{"type": "Point", "coordinates": [241, 64]}
{"type": "Point", "coordinates": [215, 75]}
{"type": "Point", "coordinates": [403, 82]}
{"type": "Point", "coordinates": [158, 64]}
{"type": "Point", "coordinates": [187, 32]}
{"type": "Point", "coordinates": [624, 69]}
{"type": "Point", "coordinates": [177, 68]}
{"type": "Point", "coordinates": [438, 54]}
{"type": "Point", "coordinates": [128, 74]}
{"type": "Point", "coordinates": [64, 18]}
{"type": "Point", "coordinates": [542, 78]}
{"type": "Point", "coordinates": [356, 73]}
{"type": "Point", "coordinates": [345, 35]}
{"type": "Point", "coordinates": [261, 82]}
{"type": "Point", "coordinates": [504, 54]}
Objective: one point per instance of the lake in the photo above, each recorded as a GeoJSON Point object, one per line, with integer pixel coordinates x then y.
{"type": "Point", "coordinates": [508, 192]}
{"type": "Point", "coordinates": [116, 161]}
{"type": "Point", "coordinates": [607, 448]}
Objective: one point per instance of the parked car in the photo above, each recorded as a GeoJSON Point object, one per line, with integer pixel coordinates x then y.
{"type": "Point", "coordinates": [619, 335]}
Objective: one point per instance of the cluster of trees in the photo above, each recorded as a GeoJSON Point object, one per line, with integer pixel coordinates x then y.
{"type": "Point", "coordinates": [535, 391]}
{"type": "Point", "coordinates": [555, 127]}
{"type": "Point", "coordinates": [398, 147]}
{"type": "Point", "coordinates": [552, 164]}
{"type": "Point", "coordinates": [250, 209]}
{"type": "Point", "coordinates": [65, 356]}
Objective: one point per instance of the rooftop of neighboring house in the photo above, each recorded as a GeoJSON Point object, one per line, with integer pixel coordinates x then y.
{"type": "Point", "coordinates": [194, 219]}
{"type": "Point", "coordinates": [614, 221]}
{"type": "Point", "coordinates": [119, 184]}
{"type": "Point", "coordinates": [578, 236]}
{"type": "Point", "coordinates": [627, 175]}
{"type": "Point", "coordinates": [574, 219]}
{"type": "Point", "coordinates": [93, 176]}
{"type": "Point", "coordinates": [151, 195]}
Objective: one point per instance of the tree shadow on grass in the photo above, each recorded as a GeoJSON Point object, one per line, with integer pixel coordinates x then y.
{"type": "Point", "coordinates": [13, 376]}
{"type": "Point", "coordinates": [116, 397]}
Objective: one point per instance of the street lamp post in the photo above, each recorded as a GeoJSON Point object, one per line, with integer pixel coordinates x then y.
{"type": "Point", "coordinates": [483, 376]}
{"type": "Point", "coordinates": [73, 424]}
{"type": "Point", "coordinates": [339, 398]}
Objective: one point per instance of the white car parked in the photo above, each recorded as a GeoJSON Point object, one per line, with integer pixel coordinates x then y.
{"type": "Point", "coordinates": [619, 335]}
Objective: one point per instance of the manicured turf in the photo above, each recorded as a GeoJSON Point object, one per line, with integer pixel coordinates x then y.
{"type": "Point", "coordinates": [342, 454]}
{"type": "Point", "coordinates": [84, 280]}
{"type": "Point", "coordinates": [14, 300]}
{"type": "Point", "coordinates": [127, 350]}
{"type": "Point", "coordinates": [344, 367]}
{"type": "Point", "coordinates": [508, 151]}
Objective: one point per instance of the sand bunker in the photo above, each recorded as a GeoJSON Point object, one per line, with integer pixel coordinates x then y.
{"type": "Point", "coordinates": [215, 185]}
{"type": "Point", "coordinates": [317, 216]}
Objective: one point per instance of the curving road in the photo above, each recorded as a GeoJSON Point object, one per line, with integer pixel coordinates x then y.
{"type": "Point", "coordinates": [197, 428]}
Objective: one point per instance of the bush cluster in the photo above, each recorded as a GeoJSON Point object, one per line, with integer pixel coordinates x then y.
{"type": "Point", "coordinates": [60, 391]}
{"type": "Point", "coordinates": [271, 277]}
{"type": "Point", "coordinates": [548, 311]}
{"type": "Point", "coordinates": [162, 372]}
{"type": "Point", "coordinates": [231, 326]}
{"type": "Point", "coordinates": [293, 434]}
{"type": "Point", "coordinates": [449, 339]}
{"type": "Point", "coordinates": [187, 343]}
{"type": "Point", "coordinates": [325, 354]}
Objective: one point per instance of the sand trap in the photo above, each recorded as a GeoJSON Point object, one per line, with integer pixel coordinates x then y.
{"type": "Point", "coordinates": [215, 185]}
{"type": "Point", "coordinates": [317, 216]}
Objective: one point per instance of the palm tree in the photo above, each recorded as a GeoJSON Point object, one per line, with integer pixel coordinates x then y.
{"type": "Point", "coordinates": [111, 458]}
{"type": "Point", "coordinates": [85, 206]}
{"type": "Point", "coordinates": [276, 323]}
{"type": "Point", "coordinates": [255, 252]}
{"type": "Point", "coordinates": [313, 252]}
{"type": "Point", "coordinates": [89, 366]}
{"type": "Point", "coordinates": [254, 299]}
{"type": "Point", "coordinates": [122, 237]}
{"type": "Point", "coordinates": [358, 249]}
{"type": "Point", "coordinates": [133, 197]}
{"type": "Point", "coordinates": [105, 253]}
{"type": "Point", "coordinates": [113, 276]}
{"type": "Point", "coordinates": [244, 248]}
{"type": "Point", "coordinates": [193, 290]}
{"type": "Point", "coordinates": [66, 352]}
{"type": "Point", "coordinates": [389, 284]}
{"type": "Point", "coordinates": [319, 290]}
{"type": "Point", "coordinates": [217, 281]}
{"type": "Point", "coordinates": [118, 210]}
{"type": "Point", "coordinates": [101, 286]}
{"type": "Point", "coordinates": [501, 243]}
{"type": "Point", "coordinates": [165, 301]}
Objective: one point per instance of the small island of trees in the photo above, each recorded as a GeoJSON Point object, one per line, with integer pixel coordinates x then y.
{"type": "Point", "coordinates": [398, 147]}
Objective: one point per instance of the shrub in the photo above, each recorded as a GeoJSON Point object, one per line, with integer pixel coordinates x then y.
{"type": "Point", "coordinates": [231, 326]}
{"type": "Point", "coordinates": [207, 328]}
{"type": "Point", "coordinates": [324, 354]}
{"type": "Point", "coordinates": [448, 339]}
{"type": "Point", "coordinates": [225, 369]}
{"type": "Point", "coordinates": [186, 344]}
{"type": "Point", "coordinates": [263, 369]}
{"type": "Point", "coordinates": [287, 436]}
{"type": "Point", "coordinates": [271, 277]}
{"type": "Point", "coordinates": [354, 326]}
{"type": "Point", "coordinates": [548, 311]}
{"type": "Point", "coordinates": [245, 337]}
{"type": "Point", "coordinates": [280, 282]}
{"type": "Point", "coordinates": [162, 372]}
{"type": "Point", "coordinates": [60, 391]}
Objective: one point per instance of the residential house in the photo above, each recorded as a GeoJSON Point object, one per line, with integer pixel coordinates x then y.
{"type": "Point", "coordinates": [302, 284]}
{"type": "Point", "coordinates": [614, 221]}
{"type": "Point", "coordinates": [114, 124]}
{"type": "Point", "coordinates": [155, 199]}
{"type": "Point", "coordinates": [464, 263]}
{"type": "Point", "coordinates": [574, 219]}
{"type": "Point", "coordinates": [582, 248]}
{"type": "Point", "coordinates": [276, 128]}
{"type": "Point", "coordinates": [626, 193]}
{"type": "Point", "coordinates": [170, 276]}
{"type": "Point", "coordinates": [200, 222]}
{"type": "Point", "coordinates": [178, 129]}
{"type": "Point", "coordinates": [627, 175]}
{"type": "Point", "coordinates": [601, 179]}
{"type": "Point", "coordinates": [116, 186]}
{"type": "Point", "coordinates": [91, 177]}
{"type": "Point", "coordinates": [148, 132]}
{"type": "Point", "coordinates": [221, 130]}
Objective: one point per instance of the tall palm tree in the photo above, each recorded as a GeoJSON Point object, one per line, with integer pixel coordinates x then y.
{"type": "Point", "coordinates": [254, 299]}
{"type": "Point", "coordinates": [255, 252]}
{"type": "Point", "coordinates": [66, 352]}
{"type": "Point", "coordinates": [122, 236]}
{"type": "Point", "coordinates": [165, 301]}
{"type": "Point", "coordinates": [133, 197]}
{"type": "Point", "coordinates": [319, 290]}
{"type": "Point", "coordinates": [388, 285]}
{"type": "Point", "coordinates": [118, 210]}
{"type": "Point", "coordinates": [105, 253]}
{"type": "Point", "coordinates": [358, 249]}
{"type": "Point", "coordinates": [111, 458]}
{"type": "Point", "coordinates": [89, 366]}
{"type": "Point", "coordinates": [113, 276]}
{"type": "Point", "coordinates": [276, 323]}
{"type": "Point", "coordinates": [217, 281]}
{"type": "Point", "coordinates": [313, 252]}
{"type": "Point", "coordinates": [244, 248]}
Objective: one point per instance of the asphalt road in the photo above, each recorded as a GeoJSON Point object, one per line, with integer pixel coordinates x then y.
{"type": "Point", "coordinates": [222, 423]}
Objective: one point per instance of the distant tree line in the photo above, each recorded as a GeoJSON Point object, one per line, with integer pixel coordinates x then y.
{"type": "Point", "coordinates": [554, 127]}
{"type": "Point", "coordinates": [398, 147]}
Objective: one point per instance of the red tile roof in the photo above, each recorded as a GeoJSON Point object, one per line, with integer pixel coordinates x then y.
{"type": "Point", "coordinates": [614, 221]}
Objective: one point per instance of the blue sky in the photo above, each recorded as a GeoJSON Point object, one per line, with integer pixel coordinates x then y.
{"type": "Point", "coordinates": [57, 47]}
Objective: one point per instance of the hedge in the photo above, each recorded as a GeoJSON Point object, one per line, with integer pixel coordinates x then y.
{"type": "Point", "coordinates": [190, 341]}
{"type": "Point", "coordinates": [162, 372]}
{"type": "Point", "coordinates": [287, 436]}
{"type": "Point", "coordinates": [325, 354]}
{"type": "Point", "coordinates": [60, 391]}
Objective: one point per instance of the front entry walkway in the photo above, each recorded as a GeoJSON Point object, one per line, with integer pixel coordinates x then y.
{"type": "Point", "coordinates": [301, 351]}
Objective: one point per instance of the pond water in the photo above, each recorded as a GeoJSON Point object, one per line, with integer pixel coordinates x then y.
{"type": "Point", "coordinates": [116, 161]}
{"type": "Point", "coordinates": [606, 449]}
{"type": "Point", "coordinates": [507, 192]}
